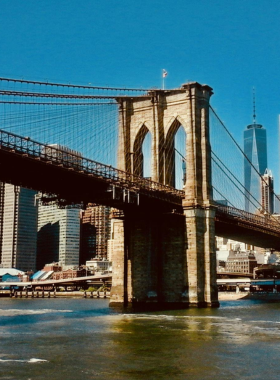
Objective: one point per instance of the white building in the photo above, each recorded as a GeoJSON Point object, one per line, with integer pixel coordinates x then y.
{"type": "Point", "coordinates": [98, 265]}
{"type": "Point", "coordinates": [18, 227]}
{"type": "Point", "coordinates": [224, 247]}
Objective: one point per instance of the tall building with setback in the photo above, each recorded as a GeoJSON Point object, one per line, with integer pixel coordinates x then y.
{"type": "Point", "coordinates": [58, 236]}
{"type": "Point", "coordinates": [18, 227]}
{"type": "Point", "coordinates": [255, 148]}
{"type": "Point", "coordinates": [95, 232]}
{"type": "Point", "coordinates": [267, 194]}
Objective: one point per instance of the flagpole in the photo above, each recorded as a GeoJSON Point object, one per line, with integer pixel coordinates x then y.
{"type": "Point", "coordinates": [164, 74]}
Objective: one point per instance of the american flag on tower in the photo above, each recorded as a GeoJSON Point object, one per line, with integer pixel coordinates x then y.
{"type": "Point", "coordinates": [164, 73]}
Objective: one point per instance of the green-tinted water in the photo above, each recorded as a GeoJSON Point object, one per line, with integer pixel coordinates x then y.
{"type": "Point", "coordinates": [85, 339]}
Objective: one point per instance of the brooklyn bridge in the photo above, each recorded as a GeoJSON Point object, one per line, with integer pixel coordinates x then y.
{"type": "Point", "coordinates": [162, 159]}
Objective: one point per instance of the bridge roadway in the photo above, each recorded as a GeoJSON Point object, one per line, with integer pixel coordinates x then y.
{"type": "Point", "coordinates": [77, 180]}
{"type": "Point", "coordinates": [238, 225]}
{"type": "Point", "coordinates": [73, 179]}
{"type": "Point", "coordinates": [56, 283]}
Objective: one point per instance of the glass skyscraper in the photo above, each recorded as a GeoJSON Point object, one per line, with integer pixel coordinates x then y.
{"type": "Point", "coordinates": [255, 148]}
{"type": "Point", "coordinates": [58, 236]}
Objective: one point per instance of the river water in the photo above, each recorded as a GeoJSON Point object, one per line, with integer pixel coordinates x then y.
{"type": "Point", "coordinates": [77, 338]}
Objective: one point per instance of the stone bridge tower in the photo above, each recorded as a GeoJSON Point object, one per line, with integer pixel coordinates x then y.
{"type": "Point", "coordinates": [166, 257]}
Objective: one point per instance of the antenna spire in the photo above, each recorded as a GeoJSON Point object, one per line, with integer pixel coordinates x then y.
{"type": "Point", "coordinates": [254, 106]}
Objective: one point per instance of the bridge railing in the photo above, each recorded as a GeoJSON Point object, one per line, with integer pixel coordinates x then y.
{"type": "Point", "coordinates": [62, 156]}
{"type": "Point", "coordinates": [267, 220]}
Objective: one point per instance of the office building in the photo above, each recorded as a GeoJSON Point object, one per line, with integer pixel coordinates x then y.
{"type": "Point", "coordinates": [240, 262]}
{"type": "Point", "coordinates": [58, 236]}
{"type": "Point", "coordinates": [255, 148]}
{"type": "Point", "coordinates": [95, 232]}
{"type": "Point", "coordinates": [18, 227]}
{"type": "Point", "coordinates": [59, 228]}
{"type": "Point", "coordinates": [277, 204]}
{"type": "Point", "coordinates": [267, 193]}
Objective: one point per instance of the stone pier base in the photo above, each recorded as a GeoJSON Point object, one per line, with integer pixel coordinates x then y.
{"type": "Point", "coordinates": [156, 261]}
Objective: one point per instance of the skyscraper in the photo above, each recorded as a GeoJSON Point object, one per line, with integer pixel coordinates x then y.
{"type": "Point", "coordinates": [267, 192]}
{"type": "Point", "coordinates": [59, 228]}
{"type": "Point", "coordinates": [255, 148]}
{"type": "Point", "coordinates": [18, 227]}
{"type": "Point", "coordinates": [95, 231]}
{"type": "Point", "coordinates": [58, 236]}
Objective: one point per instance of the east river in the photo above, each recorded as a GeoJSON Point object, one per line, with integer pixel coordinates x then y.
{"type": "Point", "coordinates": [77, 338]}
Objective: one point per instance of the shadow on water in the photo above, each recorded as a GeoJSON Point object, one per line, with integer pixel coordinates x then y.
{"type": "Point", "coordinates": [155, 307]}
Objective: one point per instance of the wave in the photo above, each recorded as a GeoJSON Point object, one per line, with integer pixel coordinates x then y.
{"type": "Point", "coordinates": [15, 312]}
{"type": "Point", "coordinates": [32, 360]}
{"type": "Point", "coordinates": [174, 317]}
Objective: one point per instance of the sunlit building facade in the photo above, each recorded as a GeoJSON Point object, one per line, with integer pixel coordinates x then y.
{"type": "Point", "coordinates": [18, 227]}
{"type": "Point", "coordinates": [267, 194]}
{"type": "Point", "coordinates": [58, 236]}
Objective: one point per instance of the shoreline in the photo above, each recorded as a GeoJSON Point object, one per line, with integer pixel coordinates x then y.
{"type": "Point", "coordinates": [232, 296]}
{"type": "Point", "coordinates": [222, 296]}
{"type": "Point", "coordinates": [41, 294]}
{"type": "Point", "coordinates": [260, 296]}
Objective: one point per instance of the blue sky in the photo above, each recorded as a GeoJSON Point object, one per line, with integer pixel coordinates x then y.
{"type": "Point", "coordinates": [231, 45]}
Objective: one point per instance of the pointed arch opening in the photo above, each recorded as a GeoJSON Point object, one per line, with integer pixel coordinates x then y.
{"type": "Point", "coordinates": [142, 152]}
{"type": "Point", "coordinates": [175, 156]}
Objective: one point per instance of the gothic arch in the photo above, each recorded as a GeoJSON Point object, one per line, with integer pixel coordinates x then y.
{"type": "Point", "coordinates": [137, 150]}
{"type": "Point", "coordinates": [172, 129]}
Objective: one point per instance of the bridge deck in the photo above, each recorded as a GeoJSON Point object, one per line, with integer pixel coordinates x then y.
{"type": "Point", "coordinates": [76, 180]}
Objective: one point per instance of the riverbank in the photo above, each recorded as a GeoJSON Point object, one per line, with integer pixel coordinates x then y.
{"type": "Point", "coordinates": [258, 296]}
{"type": "Point", "coordinates": [230, 296]}
{"type": "Point", "coordinates": [222, 296]}
{"type": "Point", "coordinates": [41, 294]}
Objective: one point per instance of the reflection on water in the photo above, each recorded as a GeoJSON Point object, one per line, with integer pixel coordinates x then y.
{"type": "Point", "coordinates": [85, 339]}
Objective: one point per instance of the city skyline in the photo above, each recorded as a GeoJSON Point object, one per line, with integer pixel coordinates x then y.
{"type": "Point", "coordinates": [162, 242]}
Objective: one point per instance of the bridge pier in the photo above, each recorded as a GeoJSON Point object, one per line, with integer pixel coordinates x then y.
{"type": "Point", "coordinates": [166, 259]}
{"type": "Point", "coordinates": [149, 263]}
{"type": "Point", "coordinates": [201, 256]}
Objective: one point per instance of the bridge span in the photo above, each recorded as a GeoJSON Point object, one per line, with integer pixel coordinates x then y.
{"type": "Point", "coordinates": [164, 239]}
{"type": "Point", "coordinates": [71, 179]}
